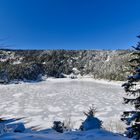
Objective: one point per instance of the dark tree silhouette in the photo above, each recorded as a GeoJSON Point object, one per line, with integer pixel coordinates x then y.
{"type": "Point", "coordinates": [132, 88]}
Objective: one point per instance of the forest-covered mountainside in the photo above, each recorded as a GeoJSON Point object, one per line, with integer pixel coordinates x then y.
{"type": "Point", "coordinates": [32, 64]}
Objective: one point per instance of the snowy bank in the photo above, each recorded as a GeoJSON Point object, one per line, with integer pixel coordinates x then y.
{"type": "Point", "coordinates": [74, 135]}
{"type": "Point", "coordinates": [86, 79]}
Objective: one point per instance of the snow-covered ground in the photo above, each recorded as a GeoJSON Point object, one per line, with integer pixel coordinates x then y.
{"type": "Point", "coordinates": [51, 135]}
{"type": "Point", "coordinates": [61, 99]}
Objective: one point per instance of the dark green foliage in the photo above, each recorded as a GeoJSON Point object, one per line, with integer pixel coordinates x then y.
{"type": "Point", "coordinates": [58, 126]}
{"type": "Point", "coordinates": [132, 88]}
{"type": "Point", "coordinates": [55, 63]}
{"type": "Point", "coordinates": [26, 71]}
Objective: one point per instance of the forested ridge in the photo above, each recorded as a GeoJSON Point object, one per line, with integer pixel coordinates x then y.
{"type": "Point", "coordinates": [31, 64]}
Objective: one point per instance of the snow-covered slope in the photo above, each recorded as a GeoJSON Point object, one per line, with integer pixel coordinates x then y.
{"type": "Point", "coordinates": [51, 135]}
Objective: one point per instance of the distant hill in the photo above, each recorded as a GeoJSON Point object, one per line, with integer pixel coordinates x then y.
{"type": "Point", "coordinates": [32, 64]}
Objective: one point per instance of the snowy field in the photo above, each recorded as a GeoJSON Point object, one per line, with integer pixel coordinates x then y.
{"type": "Point", "coordinates": [61, 99]}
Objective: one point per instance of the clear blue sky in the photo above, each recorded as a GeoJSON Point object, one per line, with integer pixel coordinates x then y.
{"type": "Point", "coordinates": [70, 24]}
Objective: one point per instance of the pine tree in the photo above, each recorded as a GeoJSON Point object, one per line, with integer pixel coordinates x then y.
{"type": "Point", "coordinates": [91, 122]}
{"type": "Point", "coordinates": [132, 88]}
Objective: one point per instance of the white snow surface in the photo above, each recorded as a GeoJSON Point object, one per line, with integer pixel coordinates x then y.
{"type": "Point", "coordinates": [61, 99]}
{"type": "Point", "coordinates": [51, 135]}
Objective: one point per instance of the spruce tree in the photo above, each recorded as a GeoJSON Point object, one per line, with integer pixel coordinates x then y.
{"type": "Point", "coordinates": [91, 122]}
{"type": "Point", "coordinates": [132, 89]}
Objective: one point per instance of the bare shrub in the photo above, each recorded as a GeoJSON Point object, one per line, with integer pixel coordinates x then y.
{"type": "Point", "coordinates": [68, 123]}
{"type": "Point", "coordinates": [114, 125]}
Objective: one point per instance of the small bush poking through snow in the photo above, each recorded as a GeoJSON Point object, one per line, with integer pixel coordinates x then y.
{"type": "Point", "coordinates": [91, 121]}
{"type": "Point", "coordinates": [63, 126]}
{"type": "Point", "coordinates": [114, 125]}
{"type": "Point", "coordinates": [58, 126]}
{"type": "Point", "coordinates": [68, 124]}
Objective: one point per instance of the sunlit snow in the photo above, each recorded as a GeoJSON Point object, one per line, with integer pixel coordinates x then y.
{"type": "Point", "coordinates": [43, 102]}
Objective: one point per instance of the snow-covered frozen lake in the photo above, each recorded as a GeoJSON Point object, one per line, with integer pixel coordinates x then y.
{"type": "Point", "coordinates": [59, 99]}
